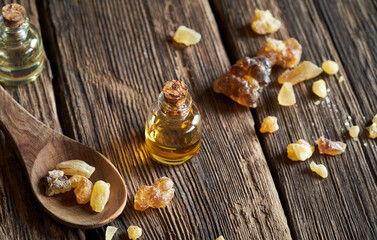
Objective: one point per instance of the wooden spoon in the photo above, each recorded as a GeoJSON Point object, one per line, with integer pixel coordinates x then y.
{"type": "Point", "coordinates": [41, 148]}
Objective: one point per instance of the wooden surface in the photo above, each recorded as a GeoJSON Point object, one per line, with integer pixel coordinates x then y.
{"type": "Point", "coordinates": [109, 62]}
{"type": "Point", "coordinates": [343, 206]}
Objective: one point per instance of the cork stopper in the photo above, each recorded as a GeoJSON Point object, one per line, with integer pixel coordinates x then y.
{"type": "Point", "coordinates": [13, 15]}
{"type": "Point", "coordinates": [175, 92]}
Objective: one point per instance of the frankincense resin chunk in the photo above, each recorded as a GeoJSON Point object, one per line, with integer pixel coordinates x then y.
{"type": "Point", "coordinates": [75, 179]}
{"type": "Point", "coordinates": [100, 195]}
{"type": "Point", "coordinates": [330, 67]}
{"type": "Point", "coordinates": [320, 169]}
{"type": "Point", "coordinates": [354, 132]}
{"type": "Point", "coordinates": [245, 80]}
{"type": "Point", "coordinates": [283, 53]}
{"type": "Point", "coordinates": [319, 88]}
{"type": "Point", "coordinates": [134, 232]}
{"type": "Point", "coordinates": [286, 96]}
{"type": "Point", "coordinates": [326, 146]}
{"type": "Point", "coordinates": [269, 124]}
{"type": "Point", "coordinates": [263, 22]}
{"type": "Point", "coordinates": [300, 151]}
{"type": "Point", "coordinates": [73, 167]}
{"type": "Point", "coordinates": [304, 71]}
{"type": "Point", "coordinates": [83, 191]}
{"type": "Point", "coordinates": [186, 36]}
{"type": "Point", "coordinates": [156, 196]}
{"type": "Point", "coordinates": [372, 130]}
{"type": "Point", "coordinates": [110, 231]}
{"type": "Point", "coordinates": [57, 183]}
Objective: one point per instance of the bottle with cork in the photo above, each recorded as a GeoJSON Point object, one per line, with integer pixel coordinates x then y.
{"type": "Point", "coordinates": [173, 129]}
{"type": "Point", "coordinates": [21, 47]}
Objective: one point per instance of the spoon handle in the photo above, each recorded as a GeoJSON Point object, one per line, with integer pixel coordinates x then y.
{"type": "Point", "coordinates": [28, 134]}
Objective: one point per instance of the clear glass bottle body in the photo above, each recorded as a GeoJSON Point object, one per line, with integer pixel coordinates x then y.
{"type": "Point", "coordinates": [21, 53]}
{"type": "Point", "coordinates": [170, 138]}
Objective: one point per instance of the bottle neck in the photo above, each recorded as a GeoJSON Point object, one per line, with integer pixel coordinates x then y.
{"type": "Point", "coordinates": [14, 34]}
{"type": "Point", "coordinates": [172, 111]}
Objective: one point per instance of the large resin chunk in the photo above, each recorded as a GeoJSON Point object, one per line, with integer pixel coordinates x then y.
{"type": "Point", "coordinates": [100, 195]}
{"type": "Point", "coordinates": [245, 80]}
{"type": "Point", "coordinates": [304, 71]}
{"type": "Point", "coordinates": [156, 196]}
{"type": "Point", "coordinates": [76, 167]}
{"type": "Point", "coordinates": [283, 53]}
{"type": "Point", "coordinates": [326, 146]}
{"type": "Point", "coordinates": [263, 22]}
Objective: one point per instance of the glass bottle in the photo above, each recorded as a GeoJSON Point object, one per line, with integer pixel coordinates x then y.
{"type": "Point", "coordinates": [173, 129]}
{"type": "Point", "coordinates": [21, 47]}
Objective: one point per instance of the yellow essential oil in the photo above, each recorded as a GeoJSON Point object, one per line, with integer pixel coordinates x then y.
{"type": "Point", "coordinates": [21, 47]}
{"type": "Point", "coordinates": [173, 128]}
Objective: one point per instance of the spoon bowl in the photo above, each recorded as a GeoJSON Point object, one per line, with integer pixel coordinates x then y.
{"type": "Point", "coordinates": [41, 149]}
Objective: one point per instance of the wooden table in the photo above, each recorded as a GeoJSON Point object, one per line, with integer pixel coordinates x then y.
{"type": "Point", "coordinates": [107, 62]}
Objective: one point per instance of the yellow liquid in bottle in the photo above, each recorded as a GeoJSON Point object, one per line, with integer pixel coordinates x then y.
{"type": "Point", "coordinates": [173, 141]}
{"type": "Point", "coordinates": [21, 54]}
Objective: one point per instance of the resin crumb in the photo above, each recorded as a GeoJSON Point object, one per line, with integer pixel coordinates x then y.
{"type": "Point", "coordinates": [317, 102]}
{"type": "Point", "coordinates": [341, 79]}
{"type": "Point", "coordinates": [372, 130]}
{"type": "Point", "coordinates": [269, 124]}
{"type": "Point", "coordinates": [326, 146]}
{"type": "Point", "coordinates": [330, 67]}
{"type": "Point", "coordinates": [245, 80]}
{"type": "Point", "coordinates": [220, 238]}
{"type": "Point", "coordinates": [282, 53]}
{"type": "Point", "coordinates": [319, 88]}
{"type": "Point", "coordinates": [134, 232]}
{"type": "Point", "coordinates": [354, 132]}
{"type": "Point", "coordinates": [186, 36]}
{"type": "Point", "coordinates": [263, 22]}
{"type": "Point", "coordinates": [156, 196]}
{"type": "Point", "coordinates": [300, 151]}
{"type": "Point", "coordinates": [304, 71]}
{"type": "Point", "coordinates": [286, 96]}
{"type": "Point", "coordinates": [320, 169]}
{"type": "Point", "coordinates": [110, 231]}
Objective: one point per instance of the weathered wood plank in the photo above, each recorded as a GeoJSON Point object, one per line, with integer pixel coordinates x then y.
{"type": "Point", "coordinates": [113, 58]}
{"type": "Point", "coordinates": [343, 205]}
{"type": "Point", "coordinates": [20, 215]}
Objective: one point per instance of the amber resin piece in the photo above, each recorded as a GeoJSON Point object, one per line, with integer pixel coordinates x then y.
{"type": "Point", "coordinates": [134, 232]}
{"type": "Point", "coordinates": [186, 36]}
{"type": "Point", "coordinates": [319, 88]}
{"type": "Point", "coordinates": [156, 196]}
{"type": "Point", "coordinates": [372, 130]}
{"type": "Point", "coordinates": [283, 53]}
{"type": "Point", "coordinates": [326, 146]}
{"type": "Point", "coordinates": [269, 124]}
{"type": "Point", "coordinates": [286, 96]}
{"type": "Point", "coordinates": [83, 191]}
{"type": "Point", "coordinates": [100, 195]}
{"type": "Point", "coordinates": [76, 167]}
{"type": "Point", "coordinates": [263, 22]}
{"type": "Point", "coordinates": [300, 151]}
{"type": "Point", "coordinates": [57, 183]}
{"type": "Point", "coordinates": [319, 169]}
{"type": "Point", "coordinates": [110, 231]}
{"type": "Point", "coordinates": [304, 71]}
{"type": "Point", "coordinates": [245, 80]}
{"type": "Point", "coordinates": [75, 179]}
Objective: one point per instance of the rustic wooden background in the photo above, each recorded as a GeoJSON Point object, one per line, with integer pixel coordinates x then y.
{"type": "Point", "coordinates": [107, 62]}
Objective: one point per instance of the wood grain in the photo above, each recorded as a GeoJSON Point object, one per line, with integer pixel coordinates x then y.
{"type": "Point", "coordinates": [20, 215]}
{"type": "Point", "coordinates": [343, 205]}
{"type": "Point", "coordinates": [112, 59]}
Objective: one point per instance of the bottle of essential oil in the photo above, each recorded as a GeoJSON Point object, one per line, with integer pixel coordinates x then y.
{"type": "Point", "coordinates": [21, 48]}
{"type": "Point", "coordinates": [173, 129]}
